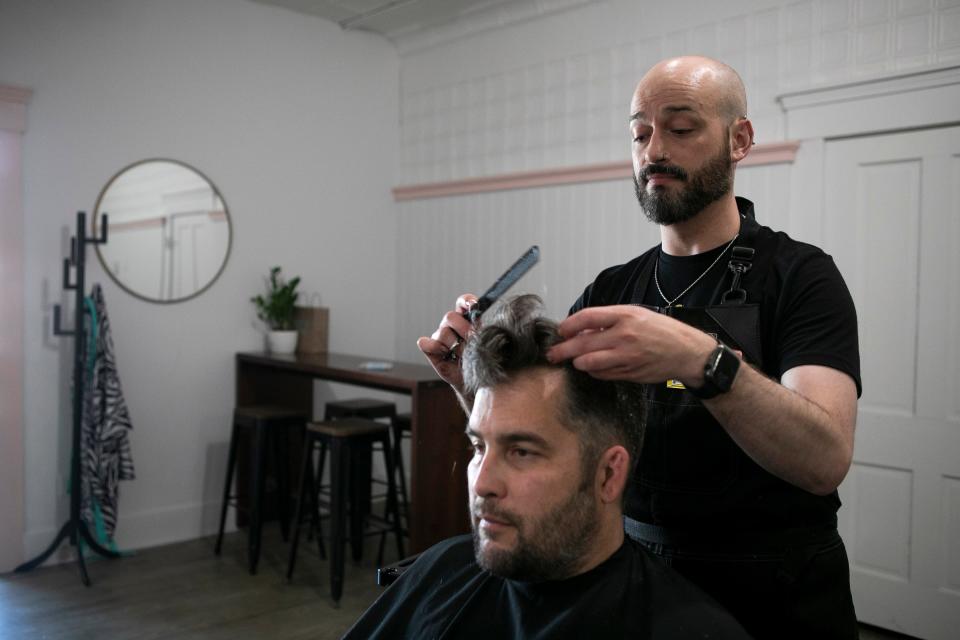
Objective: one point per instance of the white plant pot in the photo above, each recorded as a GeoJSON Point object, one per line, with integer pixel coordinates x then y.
{"type": "Point", "coordinates": [281, 341]}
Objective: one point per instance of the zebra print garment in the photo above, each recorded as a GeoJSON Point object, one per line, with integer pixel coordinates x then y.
{"type": "Point", "coordinates": [104, 443]}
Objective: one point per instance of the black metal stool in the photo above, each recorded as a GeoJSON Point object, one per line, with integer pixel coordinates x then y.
{"type": "Point", "coordinates": [269, 425]}
{"type": "Point", "coordinates": [371, 409]}
{"type": "Point", "coordinates": [349, 441]}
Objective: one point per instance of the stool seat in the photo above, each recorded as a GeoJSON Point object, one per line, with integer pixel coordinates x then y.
{"type": "Point", "coordinates": [359, 407]}
{"type": "Point", "coordinates": [347, 428]}
{"type": "Point", "coordinates": [248, 415]}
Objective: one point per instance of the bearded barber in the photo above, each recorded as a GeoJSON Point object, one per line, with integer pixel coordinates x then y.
{"type": "Point", "coordinates": [746, 343]}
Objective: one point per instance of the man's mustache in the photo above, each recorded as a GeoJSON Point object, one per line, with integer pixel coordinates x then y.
{"type": "Point", "coordinates": [662, 169]}
{"type": "Point", "coordinates": [485, 509]}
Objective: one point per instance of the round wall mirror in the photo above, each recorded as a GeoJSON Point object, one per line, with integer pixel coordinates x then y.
{"type": "Point", "coordinates": [169, 231]}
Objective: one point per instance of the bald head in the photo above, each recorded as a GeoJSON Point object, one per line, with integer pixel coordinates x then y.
{"type": "Point", "coordinates": [713, 85]}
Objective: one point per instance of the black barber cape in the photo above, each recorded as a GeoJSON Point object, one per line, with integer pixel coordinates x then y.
{"type": "Point", "coordinates": [445, 594]}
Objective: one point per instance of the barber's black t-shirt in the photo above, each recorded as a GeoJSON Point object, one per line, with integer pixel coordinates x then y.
{"type": "Point", "coordinates": [807, 317]}
{"type": "Point", "coordinates": [446, 595]}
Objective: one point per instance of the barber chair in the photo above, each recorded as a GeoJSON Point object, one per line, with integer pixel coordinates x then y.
{"type": "Point", "coordinates": [389, 574]}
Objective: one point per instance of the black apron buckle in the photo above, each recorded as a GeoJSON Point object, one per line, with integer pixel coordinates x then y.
{"type": "Point", "coordinates": [741, 260]}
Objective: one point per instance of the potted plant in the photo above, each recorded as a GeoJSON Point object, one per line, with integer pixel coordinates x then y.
{"type": "Point", "coordinates": [276, 309]}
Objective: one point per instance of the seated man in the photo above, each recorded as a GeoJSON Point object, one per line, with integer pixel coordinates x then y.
{"type": "Point", "coordinates": [552, 450]}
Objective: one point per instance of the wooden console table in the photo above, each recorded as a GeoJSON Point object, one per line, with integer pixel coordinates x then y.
{"type": "Point", "coordinates": [438, 485]}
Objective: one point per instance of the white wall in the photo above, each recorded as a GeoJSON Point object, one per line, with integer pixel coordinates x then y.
{"type": "Point", "coordinates": [12, 123]}
{"type": "Point", "coordinates": [554, 92]}
{"type": "Point", "coordinates": [292, 119]}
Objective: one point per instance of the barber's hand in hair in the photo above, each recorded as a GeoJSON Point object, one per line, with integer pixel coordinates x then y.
{"type": "Point", "coordinates": [451, 333]}
{"type": "Point", "coordinates": [625, 342]}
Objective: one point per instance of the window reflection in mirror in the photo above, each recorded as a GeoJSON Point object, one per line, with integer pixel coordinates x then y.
{"type": "Point", "coordinates": [169, 230]}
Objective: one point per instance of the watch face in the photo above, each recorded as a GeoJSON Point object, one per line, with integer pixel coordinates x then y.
{"type": "Point", "coordinates": [718, 373]}
{"type": "Point", "coordinates": [725, 369]}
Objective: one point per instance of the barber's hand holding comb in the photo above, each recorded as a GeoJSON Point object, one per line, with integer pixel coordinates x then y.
{"type": "Point", "coordinates": [443, 348]}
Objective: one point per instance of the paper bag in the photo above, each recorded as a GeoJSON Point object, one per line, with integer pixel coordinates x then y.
{"type": "Point", "coordinates": [312, 323]}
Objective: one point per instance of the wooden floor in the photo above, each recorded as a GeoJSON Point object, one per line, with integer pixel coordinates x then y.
{"type": "Point", "coordinates": [184, 591]}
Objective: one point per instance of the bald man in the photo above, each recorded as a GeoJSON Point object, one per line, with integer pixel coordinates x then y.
{"type": "Point", "coordinates": [746, 343]}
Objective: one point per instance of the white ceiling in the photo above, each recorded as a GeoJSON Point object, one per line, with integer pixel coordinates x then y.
{"type": "Point", "coordinates": [397, 19]}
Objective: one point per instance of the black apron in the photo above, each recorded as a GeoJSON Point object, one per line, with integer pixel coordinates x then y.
{"type": "Point", "coordinates": [692, 476]}
{"type": "Point", "coordinates": [689, 464]}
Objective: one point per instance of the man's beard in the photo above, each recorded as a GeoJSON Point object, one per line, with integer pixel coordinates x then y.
{"type": "Point", "coordinates": [705, 186]}
{"type": "Point", "coordinates": [548, 548]}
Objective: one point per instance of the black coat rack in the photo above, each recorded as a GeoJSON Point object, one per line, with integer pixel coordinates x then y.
{"type": "Point", "coordinates": [75, 528]}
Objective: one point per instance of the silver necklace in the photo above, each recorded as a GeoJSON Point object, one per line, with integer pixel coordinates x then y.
{"type": "Point", "coordinates": [656, 269]}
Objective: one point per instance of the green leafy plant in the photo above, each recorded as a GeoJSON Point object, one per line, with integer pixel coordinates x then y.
{"type": "Point", "coordinates": [276, 307]}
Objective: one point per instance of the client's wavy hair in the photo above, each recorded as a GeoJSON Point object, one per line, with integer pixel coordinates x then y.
{"type": "Point", "coordinates": [515, 337]}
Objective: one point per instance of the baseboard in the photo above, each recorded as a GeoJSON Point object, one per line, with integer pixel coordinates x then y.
{"type": "Point", "coordinates": [142, 530]}
{"type": "Point", "coordinates": [145, 529]}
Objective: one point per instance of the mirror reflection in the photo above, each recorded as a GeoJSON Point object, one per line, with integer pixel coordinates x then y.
{"type": "Point", "coordinates": [169, 230]}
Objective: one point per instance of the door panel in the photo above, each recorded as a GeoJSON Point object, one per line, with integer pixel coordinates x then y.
{"type": "Point", "coordinates": [887, 211]}
{"type": "Point", "coordinates": [881, 502]}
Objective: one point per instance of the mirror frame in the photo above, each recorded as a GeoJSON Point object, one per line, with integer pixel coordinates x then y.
{"type": "Point", "coordinates": [96, 232]}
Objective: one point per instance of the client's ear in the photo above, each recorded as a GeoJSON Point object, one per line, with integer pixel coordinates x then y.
{"type": "Point", "coordinates": [612, 473]}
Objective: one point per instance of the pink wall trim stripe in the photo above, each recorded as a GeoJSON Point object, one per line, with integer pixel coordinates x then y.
{"type": "Point", "coordinates": [19, 95]}
{"type": "Point", "coordinates": [761, 154]}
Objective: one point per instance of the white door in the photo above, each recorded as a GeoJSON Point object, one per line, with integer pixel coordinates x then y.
{"type": "Point", "coordinates": [892, 223]}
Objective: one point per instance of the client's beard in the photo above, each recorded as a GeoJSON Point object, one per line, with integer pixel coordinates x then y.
{"type": "Point", "coordinates": [549, 548]}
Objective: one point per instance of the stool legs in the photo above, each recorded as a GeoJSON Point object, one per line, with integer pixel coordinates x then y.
{"type": "Point", "coordinates": [349, 473]}
{"type": "Point", "coordinates": [280, 450]}
{"type": "Point", "coordinates": [398, 465]}
{"type": "Point", "coordinates": [268, 435]}
{"type": "Point", "coordinates": [358, 465]}
{"type": "Point", "coordinates": [315, 523]}
{"type": "Point", "coordinates": [338, 489]}
{"type": "Point", "coordinates": [393, 506]}
{"type": "Point", "coordinates": [307, 492]}
{"type": "Point", "coordinates": [321, 463]}
{"type": "Point", "coordinates": [259, 482]}
{"type": "Point", "coordinates": [231, 464]}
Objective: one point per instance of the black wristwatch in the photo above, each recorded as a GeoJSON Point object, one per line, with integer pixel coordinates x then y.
{"type": "Point", "coordinates": [718, 373]}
